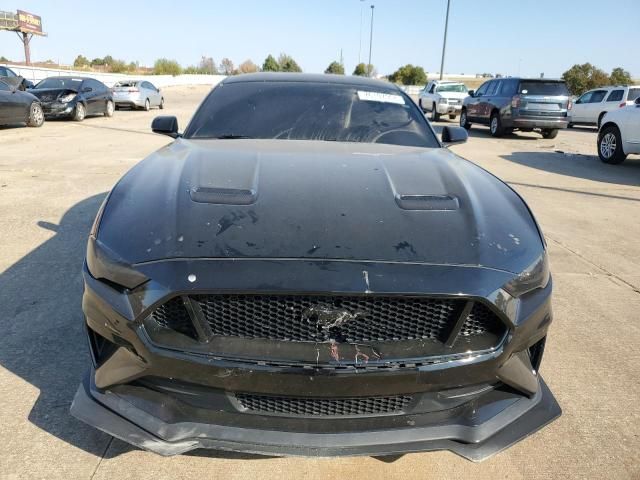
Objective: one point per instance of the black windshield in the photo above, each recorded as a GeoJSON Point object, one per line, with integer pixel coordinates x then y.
{"type": "Point", "coordinates": [311, 111]}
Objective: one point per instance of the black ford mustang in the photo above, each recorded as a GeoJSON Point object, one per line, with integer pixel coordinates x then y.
{"type": "Point", "coordinates": [308, 271]}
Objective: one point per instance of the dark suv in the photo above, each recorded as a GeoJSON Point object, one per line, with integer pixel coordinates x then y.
{"type": "Point", "coordinates": [526, 104]}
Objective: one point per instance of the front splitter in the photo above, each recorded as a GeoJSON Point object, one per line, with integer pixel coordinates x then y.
{"type": "Point", "coordinates": [116, 416]}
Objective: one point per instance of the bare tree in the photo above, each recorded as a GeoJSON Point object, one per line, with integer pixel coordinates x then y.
{"type": "Point", "coordinates": [207, 65]}
{"type": "Point", "coordinates": [227, 67]}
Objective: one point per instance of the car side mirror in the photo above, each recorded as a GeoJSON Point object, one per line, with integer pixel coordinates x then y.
{"type": "Point", "coordinates": [165, 125]}
{"type": "Point", "coordinates": [453, 135]}
{"type": "Point", "coordinates": [471, 93]}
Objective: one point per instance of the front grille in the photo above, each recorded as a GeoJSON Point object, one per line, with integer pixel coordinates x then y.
{"type": "Point", "coordinates": [174, 315]}
{"type": "Point", "coordinates": [322, 407]}
{"type": "Point", "coordinates": [300, 317]}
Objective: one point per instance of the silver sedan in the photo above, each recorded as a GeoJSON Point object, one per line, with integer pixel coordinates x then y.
{"type": "Point", "coordinates": [137, 94]}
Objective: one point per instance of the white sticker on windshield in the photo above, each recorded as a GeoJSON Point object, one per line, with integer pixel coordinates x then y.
{"type": "Point", "coordinates": [380, 97]}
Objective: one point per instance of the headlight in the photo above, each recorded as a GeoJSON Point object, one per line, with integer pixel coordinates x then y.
{"type": "Point", "coordinates": [67, 98]}
{"type": "Point", "coordinates": [442, 100]}
{"type": "Point", "coordinates": [534, 276]}
{"type": "Point", "coordinates": [104, 264]}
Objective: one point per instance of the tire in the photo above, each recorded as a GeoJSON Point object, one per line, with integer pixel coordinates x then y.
{"type": "Point", "coordinates": [109, 109]}
{"type": "Point", "coordinates": [452, 117]}
{"type": "Point", "coordinates": [550, 133]}
{"type": "Point", "coordinates": [464, 123]}
{"type": "Point", "coordinates": [161, 106]}
{"type": "Point", "coordinates": [435, 116]}
{"type": "Point", "coordinates": [570, 125]}
{"type": "Point", "coordinates": [495, 125]}
{"type": "Point", "coordinates": [36, 115]}
{"type": "Point", "coordinates": [147, 105]}
{"type": "Point", "coordinates": [610, 145]}
{"type": "Point", "coordinates": [79, 113]}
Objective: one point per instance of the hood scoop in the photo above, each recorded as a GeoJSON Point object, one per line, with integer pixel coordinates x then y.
{"type": "Point", "coordinates": [427, 202]}
{"type": "Point", "coordinates": [232, 180]}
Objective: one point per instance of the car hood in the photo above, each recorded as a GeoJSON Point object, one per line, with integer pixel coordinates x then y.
{"type": "Point", "coordinates": [459, 95]}
{"type": "Point", "coordinates": [51, 92]}
{"type": "Point", "coordinates": [316, 200]}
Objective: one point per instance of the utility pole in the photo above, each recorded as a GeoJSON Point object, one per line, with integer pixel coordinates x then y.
{"type": "Point", "coordinates": [360, 48]}
{"type": "Point", "coordinates": [444, 44]}
{"type": "Point", "coordinates": [25, 38]}
{"type": "Point", "coordinates": [370, 42]}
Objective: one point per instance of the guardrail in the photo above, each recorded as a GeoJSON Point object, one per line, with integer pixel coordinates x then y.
{"type": "Point", "coordinates": [35, 74]}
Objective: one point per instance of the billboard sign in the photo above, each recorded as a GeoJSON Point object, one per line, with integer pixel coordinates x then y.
{"type": "Point", "coordinates": [28, 22]}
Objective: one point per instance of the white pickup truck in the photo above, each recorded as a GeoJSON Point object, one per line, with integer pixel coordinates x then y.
{"type": "Point", "coordinates": [442, 98]}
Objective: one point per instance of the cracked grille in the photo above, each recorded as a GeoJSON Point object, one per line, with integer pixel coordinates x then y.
{"type": "Point", "coordinates": [323, 407]}
{"type": "Point", "coordinates": [287, 318]}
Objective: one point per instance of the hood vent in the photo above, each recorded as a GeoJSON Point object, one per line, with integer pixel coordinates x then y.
{"type": "Point", "coordinates": [427, 202]}
{"type": "Point", "coordinates": [223, 196]}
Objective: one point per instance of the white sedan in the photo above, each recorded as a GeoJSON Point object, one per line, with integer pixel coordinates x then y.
{"type": "Point", "coordinates": [619, 134]}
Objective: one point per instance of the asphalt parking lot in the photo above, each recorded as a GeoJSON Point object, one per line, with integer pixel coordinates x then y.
{"type": "Point", "coordinates": [53, 179]}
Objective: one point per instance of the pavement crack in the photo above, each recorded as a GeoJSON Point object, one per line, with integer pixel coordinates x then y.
{"type": "Point", "coordinates": [604, 270]}
{"type": "Point", "coordinates": [104, 452]}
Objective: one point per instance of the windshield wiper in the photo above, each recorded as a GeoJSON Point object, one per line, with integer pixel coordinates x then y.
{"type": "Point", "coordinates": [230, 136]}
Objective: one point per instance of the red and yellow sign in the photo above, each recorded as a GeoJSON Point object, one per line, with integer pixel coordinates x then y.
{"type": "Point", "coordinates": [28, 22]}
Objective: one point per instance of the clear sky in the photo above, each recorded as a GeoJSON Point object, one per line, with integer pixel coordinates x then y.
{"type": "Point", "coordinates": [499, 36]}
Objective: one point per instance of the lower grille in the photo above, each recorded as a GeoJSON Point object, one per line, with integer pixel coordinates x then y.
{"type": "Point", "coordinates": [322, 407]}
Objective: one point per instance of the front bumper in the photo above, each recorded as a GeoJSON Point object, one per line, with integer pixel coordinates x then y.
{"type": "Point", "coordinates": [447, 109]}
{"type": "Point", "coordinates": [57, 109]}
{"type": "Point", "coordinates": [472, 435]}
{"type": "Point", "coordinates": [171, 400]}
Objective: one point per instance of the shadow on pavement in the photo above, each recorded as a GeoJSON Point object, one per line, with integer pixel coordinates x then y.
{"type": "Point", "coordinates": [580, 166]}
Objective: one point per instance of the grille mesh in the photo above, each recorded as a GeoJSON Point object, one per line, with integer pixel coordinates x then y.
{"type": "Point", "coordinates": [174, 315]}
{"type": "Point", "coordinates": [323, 407]}
{"type": "Point", "coordinates": [293, 318]}
{"type": "Point", "coordinates": [480, 320]}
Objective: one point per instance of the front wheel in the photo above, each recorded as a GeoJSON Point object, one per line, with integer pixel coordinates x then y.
{"type": "Point", "coordinates": [610, 145]}
{"type": "Point", "coordinates": [79, 113]}
{"type": "Point", "coordinates": [496, 125]}
{"type": "Point", "coordinates": [161, 106]}
{"type": "Point", "coordinates": [109, 109]}
{"type": "Point", "coordinates": [435, 116]}
{"type": "Point", "coordinates": [550, 133]}
{"type": "Point", "coordinates": [464, 121]}
{"type": "Point", "coordinates": [36, 115]}
{"type": "Point", "coordinates": [147, 105]}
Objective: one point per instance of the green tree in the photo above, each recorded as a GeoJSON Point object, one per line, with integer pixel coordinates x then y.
{"type": "Point", "coordinates": [409, 75]}
{"type": "Point", "coordinates": [360, 70]}
{"type": "Point", "coordinates": [4, 59]}
{"type": "Point", "coordinates": [81, 61]}
{"type": "Point", "coordinates": [288, 64]}
{"type": "Point", "coordinates": [581, 78]}
{"type": "Point", "coordinates": [164, 66]}
{"type": "Point", "coordinates": [335, 68]}
{"type": "Point", "coordinates": [207, 66]}
{"type": "Point", "coordinates": [270, 64]}
{"type": "Point", "coordinates": [619, 76]}
{"type": "Point", "coordinates": [118, 66]}
{"type": "Point", "coordinates": [97, 62]}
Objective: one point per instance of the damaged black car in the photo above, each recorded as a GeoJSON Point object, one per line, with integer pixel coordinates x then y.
{"type": "Point", "coordinates": [308, 270]}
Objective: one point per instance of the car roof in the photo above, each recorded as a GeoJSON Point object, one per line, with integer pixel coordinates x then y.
{"type": "Point", "coordinates": [310, 78]}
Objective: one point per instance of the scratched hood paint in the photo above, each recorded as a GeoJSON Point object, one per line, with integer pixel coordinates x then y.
{"type": "Point", "coordinates": [319, 200]}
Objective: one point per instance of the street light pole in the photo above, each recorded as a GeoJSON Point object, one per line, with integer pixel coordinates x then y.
{"type": "Point", "coordinates": [370, 43]}
{"type": "Point", "coordinates": [360, 48]}
{"type": "Point", "coordinates": [444, 44]}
